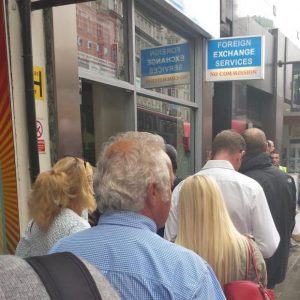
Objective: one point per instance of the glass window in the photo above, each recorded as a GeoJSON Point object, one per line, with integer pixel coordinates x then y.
{"type": "Point", "coordinates": [174, 123]}
{"type": "Point", "coordinates": [296, 87]}
{"type": "Point", "coordinates": [100, 31]}
{"type": "Point", "coordinates": [163, 58]}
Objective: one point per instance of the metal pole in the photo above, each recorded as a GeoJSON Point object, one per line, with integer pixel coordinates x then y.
{"type": "Point", "coordinates": [281, 63]}
{"type": "Point", "coordinates": [25, 15]}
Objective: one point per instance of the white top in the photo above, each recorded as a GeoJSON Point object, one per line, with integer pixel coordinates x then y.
{"type": "Point", "coordinates": [36, 242]}
{"type": "Point", "coordinates": [246, 203]}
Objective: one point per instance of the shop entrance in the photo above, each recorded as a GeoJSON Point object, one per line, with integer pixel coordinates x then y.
{"type": "Point", "coordinates": [105, 111]}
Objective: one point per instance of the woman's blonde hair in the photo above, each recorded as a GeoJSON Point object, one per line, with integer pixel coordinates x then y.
{"type": "Point", "coordinates": [67, 185]}
{"type": "Point", "coordinates": [206, 228]}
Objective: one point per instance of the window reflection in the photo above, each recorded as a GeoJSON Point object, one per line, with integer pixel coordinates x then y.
{"type": "Point", "coordinates": [296, 87]}
{"type": "Point", "coordinates": [173, 123]}
{"type": "Point", "coordinates": [100, 37]}
{"type": "Point", "coordinates": [162, 58]}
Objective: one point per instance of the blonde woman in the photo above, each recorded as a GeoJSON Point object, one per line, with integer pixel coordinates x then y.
{"type": "Point", "coordinates": [206, 228]}
{"type": "Point", "coordinates": [57, 201]}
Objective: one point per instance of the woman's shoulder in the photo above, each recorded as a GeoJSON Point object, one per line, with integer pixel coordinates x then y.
{"type": "Point", "coordinates": [69, 219]}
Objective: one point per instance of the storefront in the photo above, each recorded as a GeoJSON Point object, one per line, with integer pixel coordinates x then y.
{"type": "Point", "coordinates": [77, 72]}
{"type": "Point", "coordinates": [140, 67]}
{"type": "Point", "coordinates": [272, 103]}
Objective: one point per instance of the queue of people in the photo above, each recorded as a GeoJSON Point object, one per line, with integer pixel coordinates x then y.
{"type": "Point", "coordinates": [217, 221]}
{"type": "Point", "coordinates": [244, 197]}
{"type": "Point", "coordinates": [133, 189]}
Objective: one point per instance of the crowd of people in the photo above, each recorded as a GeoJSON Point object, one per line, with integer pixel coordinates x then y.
{"type": "Point", "coordinates": [154, 235]}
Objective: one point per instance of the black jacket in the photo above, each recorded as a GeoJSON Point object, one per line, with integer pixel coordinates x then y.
{"type": "Point", "coordinates": [280, 192]}
{"type": "Point", "coordinates": [177, 180]}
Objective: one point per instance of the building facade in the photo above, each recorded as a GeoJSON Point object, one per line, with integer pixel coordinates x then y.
{"type": "Point", "coordinates": [82, 71]}
{"type": "Point", "coordinates": [271, 103]}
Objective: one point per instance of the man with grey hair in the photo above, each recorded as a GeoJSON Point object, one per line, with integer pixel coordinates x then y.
{"type": "Point", "coordinates": [133, 190]}
{"type": "Point", "coordinates": [243, 196]}
{"type": "Point", "coordinates": [280, 192]}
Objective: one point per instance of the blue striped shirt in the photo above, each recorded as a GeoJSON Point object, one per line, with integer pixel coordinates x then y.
{"type": "Point", "coordinates": [140, 264]}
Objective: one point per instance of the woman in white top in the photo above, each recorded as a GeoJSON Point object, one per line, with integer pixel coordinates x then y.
{"type": "Point", "coordinates": [57, 201]}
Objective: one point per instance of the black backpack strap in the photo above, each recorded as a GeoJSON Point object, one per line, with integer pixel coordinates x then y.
{"type": "Point", "coordinates": [65, 276]}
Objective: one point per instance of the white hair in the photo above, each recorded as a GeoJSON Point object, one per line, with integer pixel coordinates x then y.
{"type": "Point", "coordinates": [129, 162]}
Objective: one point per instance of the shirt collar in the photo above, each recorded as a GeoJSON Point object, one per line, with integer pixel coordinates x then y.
{"type": "Point", "coordinates": [224, 164]}
{"type": "Point", "coordinates": [128, 219]}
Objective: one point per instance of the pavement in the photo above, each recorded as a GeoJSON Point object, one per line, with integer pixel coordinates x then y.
{"type": "Point", "coordinates": [289, 289]}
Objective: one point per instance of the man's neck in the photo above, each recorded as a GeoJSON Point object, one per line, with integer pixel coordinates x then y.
{"type": "Point", "coordinates": [224, 155]}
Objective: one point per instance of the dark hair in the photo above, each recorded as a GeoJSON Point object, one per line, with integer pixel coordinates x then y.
{"type": "Point", "coordinates": [255, 140]}
{"type": "Point", "coordinates": [228, 140]}
{"type": "Point", "coordinates": [274, 152]}
{"type": "Point", "coordinates": [172, 153]}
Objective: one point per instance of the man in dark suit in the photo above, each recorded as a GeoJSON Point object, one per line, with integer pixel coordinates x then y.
{"type": "Point", "coordinates": [280, 193]}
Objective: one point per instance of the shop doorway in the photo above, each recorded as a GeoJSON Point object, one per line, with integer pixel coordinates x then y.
{"type": "Point", "coordinates": [105, 111]}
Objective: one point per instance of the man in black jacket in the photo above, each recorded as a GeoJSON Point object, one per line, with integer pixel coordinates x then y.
{"type": "Point", "coordinates": [280, 193]}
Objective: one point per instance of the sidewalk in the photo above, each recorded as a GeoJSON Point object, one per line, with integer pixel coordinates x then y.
{"type": "Point", "coordinates": [289, 289]}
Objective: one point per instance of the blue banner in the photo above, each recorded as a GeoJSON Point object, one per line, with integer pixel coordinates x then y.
{"type": "Point", "coordinates": [234, 53]}
{"type": "Point", "coordinates": [165, 60]}
{"type": "Point", "coordinates": [236, 58]}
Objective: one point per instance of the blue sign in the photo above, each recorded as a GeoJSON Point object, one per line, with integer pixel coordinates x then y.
{"type": "Point", "coordinates": [242, 55]}
{"type": "Point", "coordinates": [159, 63]}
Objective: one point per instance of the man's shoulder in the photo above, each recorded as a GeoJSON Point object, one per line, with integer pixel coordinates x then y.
{"type": "Point", "coordinates": [155, 248]}
{"type": "Point", "coordinates": [246, 180]}
{"type": "Point", "coordinates": [283, 179]}
{"type": "Point", "coordinates": [266, 173]}
{"type": "Point", "coordinates": [183, 259]}
{"type": "Point", "coordinates": [179, 250]}
{"type": "Point", "coordinates": [192, 273]}
{"type": "Point", "coordinates": [73, 241]}
{"type": "Point", "coordinates": [232, 176]}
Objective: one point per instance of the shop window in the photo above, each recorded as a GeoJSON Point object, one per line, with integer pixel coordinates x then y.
{"type": "Point", "coordinates": [296, 87]}
{"type": "Point", "coordinates": [293, 151]}
{"type": "Point", "coordinates": [87, 123]}
{"type": "Point", "coordinates": [164, 61]}
{"type": "Point", "coordinates": [172, 122]}
{"type": "Point", "coordinates": [102, 23]}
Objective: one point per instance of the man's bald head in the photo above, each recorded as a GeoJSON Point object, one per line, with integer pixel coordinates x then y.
{"type": "Point", "coordinates": [255, 140]}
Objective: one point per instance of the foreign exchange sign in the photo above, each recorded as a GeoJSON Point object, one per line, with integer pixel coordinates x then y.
{"type": "Point", "coordinates": [165, 66]}
{"type": "Point", "coordinates": [238, 58]}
